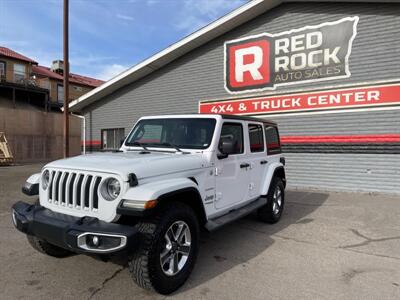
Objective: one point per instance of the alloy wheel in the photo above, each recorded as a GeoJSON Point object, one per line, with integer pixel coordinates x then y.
{"type": "Point", "coordinates": [176, 249]}
{"type": "Point", "coordinates": [277, 201]}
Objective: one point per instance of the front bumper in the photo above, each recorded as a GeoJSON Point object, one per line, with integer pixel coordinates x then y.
{"type": "Point", "coordinates": [74, 233]}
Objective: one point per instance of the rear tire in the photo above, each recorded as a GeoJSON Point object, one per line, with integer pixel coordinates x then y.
{"type": "Point", "coordinates": [171, 236]}
{"type": "Point", "coordinates": [272, 211]}
{"type": "Point", "coordinates": [47, 248]}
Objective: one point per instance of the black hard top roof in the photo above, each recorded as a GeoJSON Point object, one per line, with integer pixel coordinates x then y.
{"type": "Point", "coordinates": [246, 118]}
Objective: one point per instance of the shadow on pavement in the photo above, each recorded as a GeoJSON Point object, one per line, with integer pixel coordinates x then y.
{"type": "Point", "coordinates": [237, 243]}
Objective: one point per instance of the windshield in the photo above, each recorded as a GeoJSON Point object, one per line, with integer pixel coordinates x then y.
{"type": "Point", "coordinates": [195, 133]}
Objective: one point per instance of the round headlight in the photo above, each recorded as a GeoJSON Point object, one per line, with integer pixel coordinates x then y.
{"type": "Point", "coordinates": [110, 189]}
{"type": "Point", "coordinates": [45, 179]}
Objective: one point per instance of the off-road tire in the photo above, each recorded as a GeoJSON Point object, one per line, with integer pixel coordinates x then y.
{"type": "Point", "coordinates": [47, 248]}
{"type": "Point", "coordinates": [144, 264]}
{"type": "Point", "coordinates": [266, 213]}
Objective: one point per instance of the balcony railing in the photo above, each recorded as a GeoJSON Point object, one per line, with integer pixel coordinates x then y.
{"type": "Point", "coordinates": [22, 80]}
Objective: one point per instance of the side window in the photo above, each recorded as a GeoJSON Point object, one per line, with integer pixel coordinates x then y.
{"type": "Point", "coordinates": [272, 137]}
{"type": "Point", "coordinates": [19, 73]}
{"type": "Point", "coordinates": [2, 70]}
{"type": "Point", "coordinates": [234, 132]}
{"type": "Point", "coordinates": [256, 138]}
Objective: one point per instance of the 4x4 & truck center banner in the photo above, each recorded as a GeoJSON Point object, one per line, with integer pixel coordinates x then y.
{"type": "Point", "coordinates": [370, 96]}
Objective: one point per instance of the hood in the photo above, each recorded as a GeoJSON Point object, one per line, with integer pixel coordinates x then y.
{"type": "Point", "coordinates": [143, 165]}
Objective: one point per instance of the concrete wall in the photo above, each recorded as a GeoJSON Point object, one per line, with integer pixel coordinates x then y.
{"type": "Point", "coordinates": [36, 136]}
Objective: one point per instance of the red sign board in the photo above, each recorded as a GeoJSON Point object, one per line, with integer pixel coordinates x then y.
{"type": "Point", "coordinates": [308, 54]}
{"type": "Point", "coordinates": [323, 100]}
{"type": "Point", "coordinates": [243, 55]}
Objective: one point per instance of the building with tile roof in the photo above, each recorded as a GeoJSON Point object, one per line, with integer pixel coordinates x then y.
{"type": "Point", "coordinates": [22, 78]}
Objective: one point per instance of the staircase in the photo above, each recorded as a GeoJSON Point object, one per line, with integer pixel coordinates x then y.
{"type": "Point", "coordinates": [6, 157]}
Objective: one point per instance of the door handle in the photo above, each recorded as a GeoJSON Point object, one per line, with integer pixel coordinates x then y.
{"type": "Point", "coordinates": [263, 162]}
{"type": "Point", "coordinates": [244, 165]}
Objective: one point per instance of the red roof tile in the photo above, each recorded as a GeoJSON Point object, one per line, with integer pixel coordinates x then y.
{"type": "Point", "coordinates": [46, 72]}
{"type": "Point", "coordinates": [74, 78]}
{"type": "Point", "coordinates": [12, 54]}
{"type": "Point", "coordinates": [85, 80]}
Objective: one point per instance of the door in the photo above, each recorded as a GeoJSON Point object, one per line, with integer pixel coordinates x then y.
{"type": "Point", "coordinates": [257, 158]}
{"type": "Point", "coordinates": [232, 173]}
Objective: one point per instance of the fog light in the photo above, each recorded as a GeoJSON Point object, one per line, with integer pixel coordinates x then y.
{"type": "Point", "coordinates": [95, 241]}
{"type": "Point", "coordinates": [101, 242]}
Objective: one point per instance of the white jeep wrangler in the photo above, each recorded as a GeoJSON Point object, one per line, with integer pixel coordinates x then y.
{"type": "Point", "coordinates": [172, 176]}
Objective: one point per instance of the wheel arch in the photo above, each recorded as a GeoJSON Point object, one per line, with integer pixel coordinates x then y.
{"type": "Point", "coordinates": [189, 196]}
{"type": "Point", "coordinates": [280, 173]}
{"type": "Point", "coordinates": [183, 190]}
{"type": "Point", "coordinates": [275, 170]}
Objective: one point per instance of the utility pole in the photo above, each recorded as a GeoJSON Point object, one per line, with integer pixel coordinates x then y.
{"type": "Point", "coordinates": [66, 81]}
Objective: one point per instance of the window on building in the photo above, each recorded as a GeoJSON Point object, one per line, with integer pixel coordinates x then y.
{"type": "Point", "coordinates": [60, 93]}
{"type": "Point", "coordinates": [111, 138]}
{"type": "Point", "coordinates": [256, 138]}
{"type": "Point", "coordinates": [272, 137]}
{"type": "Point", "coordinates": [233, 132]}
{"type": "Point", "coordinates": [19, 72]}
{"type": "Point", "coordinates": [2, 70]}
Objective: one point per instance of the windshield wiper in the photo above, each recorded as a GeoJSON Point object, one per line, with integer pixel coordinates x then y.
{"type": "Point", "coordinates": [139, 144]}
{"type": "Point", "coordinates": [172, 145]}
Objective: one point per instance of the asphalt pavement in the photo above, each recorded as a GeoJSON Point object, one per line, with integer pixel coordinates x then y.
{"type": "Point", "coordinates": [327, 246]}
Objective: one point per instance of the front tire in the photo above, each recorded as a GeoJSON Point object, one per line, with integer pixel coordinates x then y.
{"type": "Point", "coordinates": [46, 248]}
{"type": "Point", "coordinates": [272, 211]}
{"type": "Point", "coordinates": [168, 250]}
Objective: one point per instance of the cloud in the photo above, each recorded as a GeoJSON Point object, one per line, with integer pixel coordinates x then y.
{"type": "Point", "coordinates": [42, 55]}
{"type": "Point", "coordinates": [197, 13]}
{"type": "Point", "coordinates": [80, 59]}
{"type": "Point", "coordinates": [125, 17]}
{"type": "Point", "coordinates": [110, 71]}
{"type": "Point", "coordinates": [191, 23]}
{"type": "Point", "coordinates": [152, 2]}
{"type": "Point", "coordinates": [14, 43]}
{"type": "Point", "coordinates": [213, 8]}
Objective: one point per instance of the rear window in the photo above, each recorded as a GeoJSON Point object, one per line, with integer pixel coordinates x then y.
{"type": "Point", "coordinates": [272, 138]}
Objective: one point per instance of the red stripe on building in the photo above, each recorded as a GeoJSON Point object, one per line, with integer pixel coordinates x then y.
{"type": "Point", "coordinates": [339, 139]}
{"type": "Point", "coordinates": [342, 139]}
{"type": "Point", "coordinates": [92, 143]}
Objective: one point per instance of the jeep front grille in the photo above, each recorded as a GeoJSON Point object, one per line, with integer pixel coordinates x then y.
{"type": "Point", "coordinates": [74, 190]}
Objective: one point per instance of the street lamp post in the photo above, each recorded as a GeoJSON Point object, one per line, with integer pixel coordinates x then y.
{"type": "Point", "coordinates": [66, 81]}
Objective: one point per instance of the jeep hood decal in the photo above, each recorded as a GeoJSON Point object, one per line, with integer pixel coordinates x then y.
{"type": "Point", "coordinates": [143, 165]}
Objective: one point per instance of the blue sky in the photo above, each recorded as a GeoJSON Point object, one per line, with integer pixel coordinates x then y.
{"type": "Point", "coordinates": [106, 36]}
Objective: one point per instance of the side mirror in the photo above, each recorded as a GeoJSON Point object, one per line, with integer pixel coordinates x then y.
{"type": "Point", "coordinates": [121, 142]}
{"type": "Point", "coordinates": [226, 147]}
